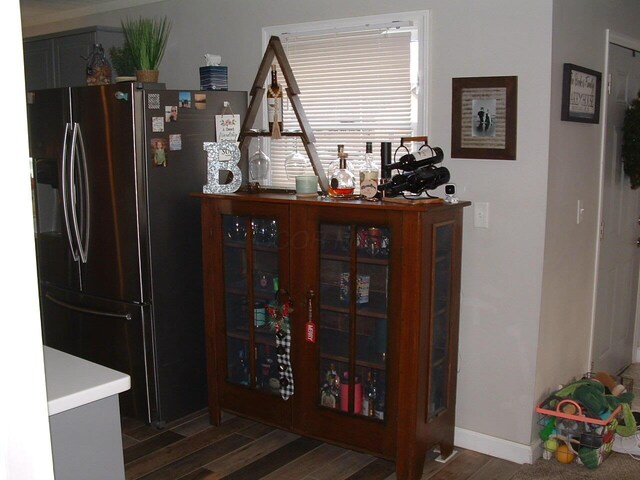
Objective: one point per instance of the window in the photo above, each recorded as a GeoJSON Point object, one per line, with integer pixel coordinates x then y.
{"type": "Point", "coordinates": [360, 81]}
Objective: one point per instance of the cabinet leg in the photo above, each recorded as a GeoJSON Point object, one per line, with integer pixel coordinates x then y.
{"type": "Point", "coordinates": [446, 449]}
{"type": "Point", "coordinates": [215, 416]}
{"type": "Point", "coordinates": [410, 467]}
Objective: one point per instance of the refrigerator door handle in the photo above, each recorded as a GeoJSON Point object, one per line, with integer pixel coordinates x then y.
{"type": "Point", "coordinates": [126, 316]}
{"type": "Point", "coordinates": [83, 238]}
{"type": "Point", "coordinates": [66, 185]}
{"type": "Point", "coordinates": [77, 141]}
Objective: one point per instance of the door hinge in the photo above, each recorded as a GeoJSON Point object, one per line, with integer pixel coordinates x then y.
{"type": "Point", "coordinates": [601, 230]}
{"type": "Point", "coordinates": [609, 84]}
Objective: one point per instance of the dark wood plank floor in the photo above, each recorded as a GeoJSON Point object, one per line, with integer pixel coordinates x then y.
{"type": "Point", "coordinates": [241, 449]}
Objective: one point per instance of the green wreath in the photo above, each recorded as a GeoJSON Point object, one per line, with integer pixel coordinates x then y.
{"type": "Point", "coordinates": [631, 143]}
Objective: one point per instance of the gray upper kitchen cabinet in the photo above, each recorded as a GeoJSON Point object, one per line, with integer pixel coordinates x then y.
{"type": "Point", "coordinates": [59, 59]}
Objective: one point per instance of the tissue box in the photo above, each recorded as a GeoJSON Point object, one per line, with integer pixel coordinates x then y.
{"type": "Point", "coordinates": [214, 78]}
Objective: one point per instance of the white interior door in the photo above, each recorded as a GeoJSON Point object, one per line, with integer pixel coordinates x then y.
{"type": "Point", "coordinates": [617, 288]}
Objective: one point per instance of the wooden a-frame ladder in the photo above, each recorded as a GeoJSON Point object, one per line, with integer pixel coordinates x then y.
{"type": "Point", "coordinates": [275, 50]}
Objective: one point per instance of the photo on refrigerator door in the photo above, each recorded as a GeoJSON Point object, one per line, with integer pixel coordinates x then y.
{"type": "Point", "coordinates": [159, 152]}
{"type": "Point", "coordinates": [170, 113]}
{"type": "Point", "coordinates": [184, 99]}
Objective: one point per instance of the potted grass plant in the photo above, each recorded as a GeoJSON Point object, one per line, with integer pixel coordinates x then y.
{"type": "Point", "coordinates": [147, 40]}
{"type": "Point", "coordinates": [122, 61]}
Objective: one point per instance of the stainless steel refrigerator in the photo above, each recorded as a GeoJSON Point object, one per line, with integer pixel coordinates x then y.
{"type": "Point", "coordinates": [118, 235]}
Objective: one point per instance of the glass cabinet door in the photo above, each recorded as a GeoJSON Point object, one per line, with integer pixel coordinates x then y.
{"type": "Point", "coordinates": [251, 280]}
{"type": "Point", "coordinates": [441, 306]}
{"type": "Point", "coordinates": [353, 300]}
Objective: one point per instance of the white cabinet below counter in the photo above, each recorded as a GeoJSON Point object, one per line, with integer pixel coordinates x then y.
{"type": "Point", "coordinates": [84, 416]}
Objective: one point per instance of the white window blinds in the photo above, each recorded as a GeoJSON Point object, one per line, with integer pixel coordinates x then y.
{"type": "Point", "coordinates": [355, 87]}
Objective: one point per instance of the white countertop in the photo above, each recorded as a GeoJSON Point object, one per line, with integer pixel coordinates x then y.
{"type": "Point", "coordinates": [73, 381]}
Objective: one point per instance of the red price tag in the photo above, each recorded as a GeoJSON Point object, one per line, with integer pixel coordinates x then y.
{"type": "Point", "coordinates": [310, 329]}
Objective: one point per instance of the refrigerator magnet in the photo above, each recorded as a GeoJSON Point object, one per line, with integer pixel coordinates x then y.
{"type": "Point", "coordinates": [159, 152]}
{"type": "Point", "coordinates": [153, 101]}
{"type": "Point", "coordinates": [184, 99]}
{"type": "Point", "coordinates": [175, 142]}
{"type": "Point", "coordinates": [201, 100]}
{"type": "Point", "coordinates": [157, 124]}
{"type": "Point", "coordinates": [170, 113]}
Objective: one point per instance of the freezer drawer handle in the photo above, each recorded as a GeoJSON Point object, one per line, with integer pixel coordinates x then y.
{"type": "Point", "coordinates": [126, 316]}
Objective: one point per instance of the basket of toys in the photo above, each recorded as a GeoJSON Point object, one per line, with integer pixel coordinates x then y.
{"type": "Point", "coordinates": [578, 422]}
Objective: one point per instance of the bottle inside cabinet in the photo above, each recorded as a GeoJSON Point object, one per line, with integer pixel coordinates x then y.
{"type": "Point", "coordinates": [354, 281]}
{"type": "Point", "coordinates": [251, 280]}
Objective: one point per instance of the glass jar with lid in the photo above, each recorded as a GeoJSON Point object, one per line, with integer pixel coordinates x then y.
{"type": "Point", "coordinates": [98, 67]}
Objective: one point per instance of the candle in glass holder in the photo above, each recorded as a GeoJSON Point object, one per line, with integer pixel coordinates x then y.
{"type": "Point", "coordinates": [306, 184]}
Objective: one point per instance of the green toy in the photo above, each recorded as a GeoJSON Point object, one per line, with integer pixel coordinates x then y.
{"type": "Point", "coordinates": [569, 390]}
{"type": "Point", "coordinates": [589, 457]}
{"type": "Point", "coordinates": [592, 397]}
{"type": "Point", "coordinates": [551, 445]}
{"type": "Point", "coordinates": [629, 427]}
{"type": "Point", "coordinates": [548, 429]}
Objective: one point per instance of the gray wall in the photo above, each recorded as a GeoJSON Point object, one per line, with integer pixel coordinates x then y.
{"type": "Point", "coordinates": [502, 265]}
{"type": "Point", "coordinates": [503, 282]}
{"type": "Point", "coordinates": [574, 173]}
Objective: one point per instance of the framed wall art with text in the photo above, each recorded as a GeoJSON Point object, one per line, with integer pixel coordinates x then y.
{"type": "Point", "coordinates": [581, 89]}
{"type": "Point", "coordinates": [484, 117]}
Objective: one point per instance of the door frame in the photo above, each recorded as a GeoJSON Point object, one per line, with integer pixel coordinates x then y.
{"type": "Point", "coordinates": [632, 43]}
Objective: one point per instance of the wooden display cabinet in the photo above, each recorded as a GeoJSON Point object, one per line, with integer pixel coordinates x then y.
{"type": "Point", "coordinates": [383, 282]}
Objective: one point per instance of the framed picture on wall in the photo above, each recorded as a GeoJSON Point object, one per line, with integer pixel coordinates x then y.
{"type": "Point", "coordinates": [484, 117]}
{"type": "Point", "coordinates": [581, 89]}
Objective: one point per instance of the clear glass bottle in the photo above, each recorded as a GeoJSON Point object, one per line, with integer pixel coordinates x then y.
{"type": "Point", "coordinates": [368, 174]}
{"type": "Point", "coordinates": [98, 68]}
{"type": "Point", "coordinates": [342, 182]}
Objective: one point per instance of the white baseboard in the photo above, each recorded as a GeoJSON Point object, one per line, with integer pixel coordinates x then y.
{"type": "Point", "coordinates": [497, 447]}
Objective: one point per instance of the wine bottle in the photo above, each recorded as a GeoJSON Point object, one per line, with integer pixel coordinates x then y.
{"type": "Point", "coordinates": [385, 160]}
{"type": "Point", "coordinates": [368, 174]}
{"type": "Point", "coordinates": [373, 396]}
{"type": "Point", "coordinates": [240, 370]}
{"type": "Point", "coordinates": [274, 100]}
{"type": "Point", "coordinates": [341, 181]}
{"type": "Point", "coordinates": [378, 409]}
{"type": "Point", "coordinates": [365, 396]}
{"type": "Point", "coordinates": [415, 160]}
